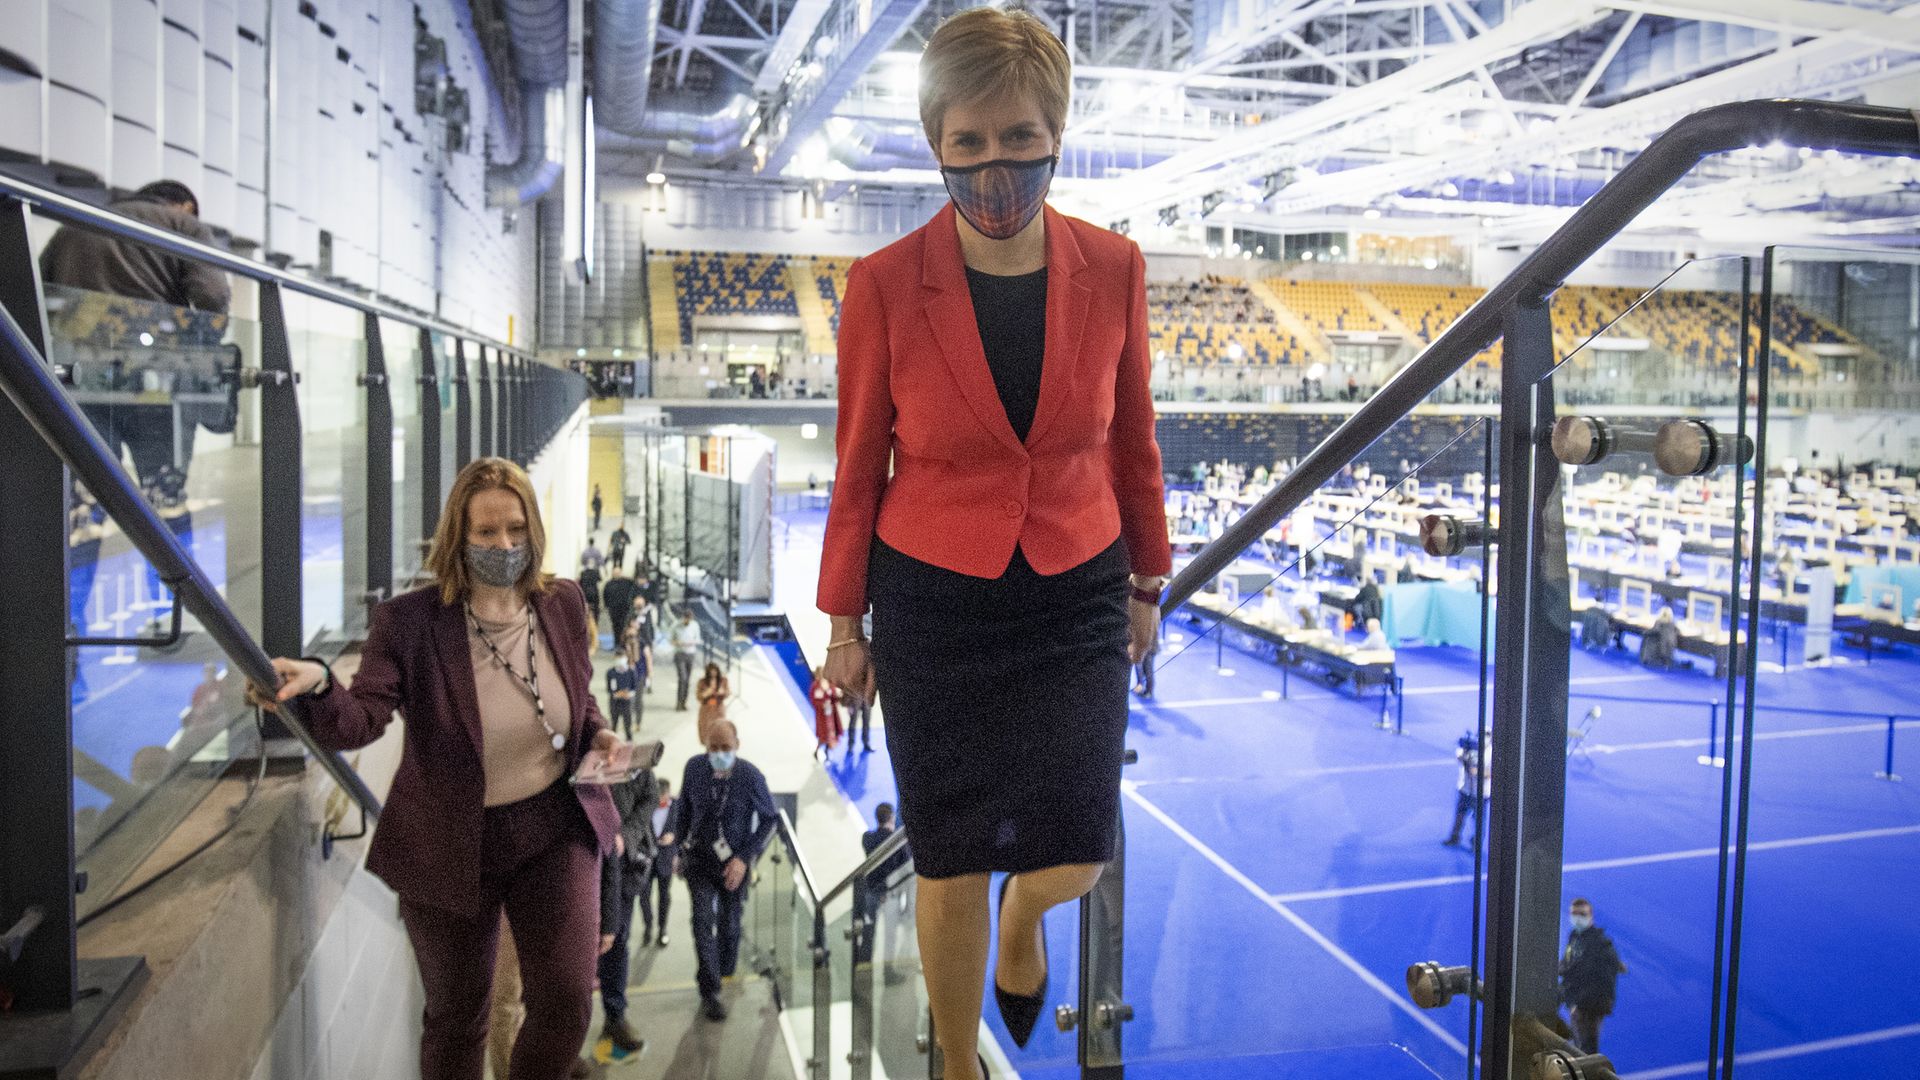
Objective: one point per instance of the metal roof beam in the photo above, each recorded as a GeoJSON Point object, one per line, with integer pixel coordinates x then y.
{"type": "Point", "coordinates": [802, 20]}
{"type": "Point", "coordinates": [862, 30]}
{"type": "Point", "coordinates": [1900, 30]}
{"type": "Point", "coordinates": [1239, 154]}
{"type": "Point", "coordinates": [1629, 122]}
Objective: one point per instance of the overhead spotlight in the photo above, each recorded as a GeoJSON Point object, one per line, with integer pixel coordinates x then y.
{"type": "Point", "coordinates": [1371, 213]}
{"type": "Point", "coordinates": [1123, 226]}
{"type": "Point", "coordinates": [1450, 189]}
{"type": "Point", "coordinates": [1504, 177]}
{"type": "Point", "coordinates": [1211, 202]}
{"type": "Point", "coordinates": [656, 178]}
{"type": "Point", "coordinates": [1169, 216]}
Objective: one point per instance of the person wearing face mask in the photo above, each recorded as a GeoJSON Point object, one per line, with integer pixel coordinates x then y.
{"type": "Point", "coordinates": [491, 667]}
{"type": "Point", "coordinates": [723, 818]}
{"type": "Point", "coordinates": [1015, 552]}
{"type": "Point", "coordinates": [1589, 970]}
{"type": "Point", "coordinates": [622, 683]}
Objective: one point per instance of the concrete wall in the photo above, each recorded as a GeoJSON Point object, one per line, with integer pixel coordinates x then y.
{"type": "Point", "coordinates": [319, 157]}
{"type": "Point", "coordinates": [560, 482]}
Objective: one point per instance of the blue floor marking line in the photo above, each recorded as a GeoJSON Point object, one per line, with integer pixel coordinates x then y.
{"type": "Point", "coordinates": [1762, 736]}
{"type": "Point", "coordinates": [1326, 944]}
{"type": "Point", "coordinates": [1601, 864]}
{"type": "Point", "coordinates": [1596, 748]}
{"type": "Point", "coordinates": [1819, 1046]}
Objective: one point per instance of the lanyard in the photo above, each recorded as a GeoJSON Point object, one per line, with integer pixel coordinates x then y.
{"type": "Point", "coordinates": [531, 680]}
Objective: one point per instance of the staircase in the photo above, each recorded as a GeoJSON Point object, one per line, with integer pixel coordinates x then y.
{"type": "Point", "coordinates": [666, 306]}
{"type": "Point", "coordinates": [1303, 331]}
{"type": "Point", "coordinates": [805, 283]}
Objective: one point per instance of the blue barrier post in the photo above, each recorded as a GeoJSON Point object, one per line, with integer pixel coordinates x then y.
{"type": "Point", "coordinates": [1888, 773]}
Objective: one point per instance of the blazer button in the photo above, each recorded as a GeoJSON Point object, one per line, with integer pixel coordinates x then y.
{"type": "Point", "coordinates": [1013, 509]}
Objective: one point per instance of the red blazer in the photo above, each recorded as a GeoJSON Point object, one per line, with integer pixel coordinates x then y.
{"type": "Point", "coordinates": [915, 386]}
{"type": "Point", "coordinates": [416, 660]}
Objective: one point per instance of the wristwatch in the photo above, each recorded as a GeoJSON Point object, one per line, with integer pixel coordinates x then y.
{"type": "Point", "coordinates": [1147, 590]}
{"type": "Point", "coordinates": [326, 677]}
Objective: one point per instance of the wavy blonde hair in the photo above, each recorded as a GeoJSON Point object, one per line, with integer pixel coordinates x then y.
{"type": "Point", "coordinates": [447, 559]}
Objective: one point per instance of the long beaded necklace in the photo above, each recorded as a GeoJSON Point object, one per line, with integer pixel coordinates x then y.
{"type": "Point", "coordinates": [531, 680]}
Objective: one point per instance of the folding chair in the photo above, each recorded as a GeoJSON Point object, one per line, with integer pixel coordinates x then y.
{"type": "Point", "coordinates": [1578, 734]}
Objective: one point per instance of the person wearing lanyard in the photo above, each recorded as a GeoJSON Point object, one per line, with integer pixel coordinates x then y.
{"type": "Point", "coordinates": [724, 816]}
{"type": "Point", "coordinates": [491, 667]}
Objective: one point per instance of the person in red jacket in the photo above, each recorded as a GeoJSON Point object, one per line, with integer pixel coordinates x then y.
{"type": "Point", "coordinates": [492, 667]}
{"type": "Point", "coordinates": [997, 483]}
{"type": "Point", "coordinates": [826, 713]}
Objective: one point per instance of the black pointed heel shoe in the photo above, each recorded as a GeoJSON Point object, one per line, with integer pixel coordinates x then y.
{"type": "Point", "coordinates": [1021, 1011]}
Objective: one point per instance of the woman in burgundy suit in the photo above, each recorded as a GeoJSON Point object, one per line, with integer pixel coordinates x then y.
{"type": "Point", "coordinates": [997, 358]}
{"type": "Point", "coordinates": [490, 667]}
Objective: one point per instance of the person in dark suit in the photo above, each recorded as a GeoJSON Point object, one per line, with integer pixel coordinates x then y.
{"type": "Point", "coordinates": [1015, 553]}
{"type": "Point", "coordinates": [491, 667]}
{"type": "Point", "coordinates": [723, 818]}
{"type": "Point", "coordinates": [617, 546]}
{"type": "Point", "coordinates": [624, 877]}
{"type": "Point", "coordinates": [666, 853]}
{"type": "Point", "coordinates": [618, 594]}
{"type": "Point", "coordinates": [1590, 970]}
{"type": "Point", "coordinates": [871, 891]}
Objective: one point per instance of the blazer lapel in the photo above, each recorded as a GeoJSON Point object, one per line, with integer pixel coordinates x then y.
{"type": "Point", "coordinates": [955, 330]}
{"type": "Point", "coordinates": [456, 661]}
{"type": "Point", "coordinates": [565, 656]}
{"type": "Point", "coordinates": [1067, 303]}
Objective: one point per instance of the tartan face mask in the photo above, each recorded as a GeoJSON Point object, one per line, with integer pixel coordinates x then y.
{"type": "Point", "coordinates": [998, 198]}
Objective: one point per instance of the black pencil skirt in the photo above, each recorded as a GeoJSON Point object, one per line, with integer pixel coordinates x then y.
{"type": "Point", "coordinates": [1005, 702]}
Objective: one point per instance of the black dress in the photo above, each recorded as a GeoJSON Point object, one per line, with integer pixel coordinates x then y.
{"type": "Point", "coordinates": [1005, 698]}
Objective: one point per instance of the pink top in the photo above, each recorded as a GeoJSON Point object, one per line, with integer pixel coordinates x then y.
{"type": "Point", "coordinates": [516, 753]}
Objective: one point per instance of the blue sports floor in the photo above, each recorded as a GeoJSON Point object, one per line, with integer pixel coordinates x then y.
{"type": "Point", "coordinates": [1284, 867]}
{"type": "Point", "coordinates": [124, 700]}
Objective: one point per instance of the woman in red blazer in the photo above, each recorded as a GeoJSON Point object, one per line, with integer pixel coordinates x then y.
{"type": "Point", "coordinates": [997, 359]}
{"type": "Point", "coordinates": [491, 669]}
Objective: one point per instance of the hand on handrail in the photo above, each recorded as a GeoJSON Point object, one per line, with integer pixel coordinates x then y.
{"type": "Point", "coordinates": [296, 677]}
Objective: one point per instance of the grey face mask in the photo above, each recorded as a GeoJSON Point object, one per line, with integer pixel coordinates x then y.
{"type": "Point", "coordinates": [501, 568]}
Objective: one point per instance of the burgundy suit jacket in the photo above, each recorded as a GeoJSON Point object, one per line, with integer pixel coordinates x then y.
{"type": "Point", "coordinates": [417, 661]}
{"type": "Point", "coordinates": [915, 389]}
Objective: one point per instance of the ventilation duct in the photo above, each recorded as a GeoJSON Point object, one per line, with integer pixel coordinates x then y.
{"type": "Point", "coordinates": [702, 138]}
{"type": "Point", "coordinates": [864, 148]}
{"type": "Point", "coordinates": [542, 149]}
{"type": "Point", "coordinates": [624, 32]}
{"type": "Point", "coordinates": [538, 29]}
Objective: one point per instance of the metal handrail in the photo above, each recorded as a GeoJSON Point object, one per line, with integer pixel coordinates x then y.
{"type": "Point", "coordinates": [1863, 129]}
{"type": "Point", "coordinates": [30, 385]}
{"type": "Point", "coordinates": [785, 826]}
{"type": "Point", "coordinates": [887, 849]}
{"type": "Point", "coordinates": [71, 211]}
